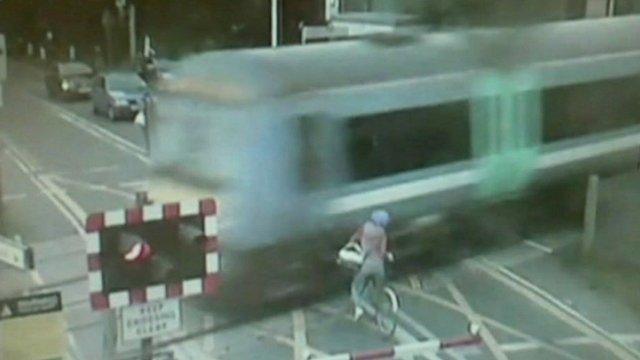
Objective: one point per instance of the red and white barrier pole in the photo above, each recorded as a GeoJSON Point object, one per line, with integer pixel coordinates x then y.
{"type": "Point", "coordinates": [418, 348]}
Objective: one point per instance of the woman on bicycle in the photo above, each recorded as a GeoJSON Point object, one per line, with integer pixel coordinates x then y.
{"type": "Point", "coordinates": [372, 237]}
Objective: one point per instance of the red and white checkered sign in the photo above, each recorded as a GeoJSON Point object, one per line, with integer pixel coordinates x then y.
{"type": "Point", "coordinates": [208, 284]}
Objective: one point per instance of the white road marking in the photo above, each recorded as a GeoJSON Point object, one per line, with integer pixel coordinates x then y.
{"type": "Point", "coordinates": [557, 308]}
{"type": "Point", "coordinates": [18, 161]}
{"type": "Point", "coordinates": [98, 131]}
{"type": "Point", "coordinates": [401, 335]}
{"type": "Point", "coordinates": [99, 169]}
{"type": "Point", "coordinates": [539, 246]}
{"type": "Point", "coordinates": [582, 340]}
{"type": "Point", "coordinates": [69, 208]}
{"type": "Point", "coordinates": [284, 340]}
{"type": "Point", "coordinates": [138, 184]}
{"type": "Point", "coordinates": [427, 334]}
{"type": "Point", "coordinates": [106, 136]}
{"type": "Point", "coordinates": [572, 341]}
{"type": "Point", "coordinates": [88, 125]}
{"type": "Point", "coordinates": [495, 323]}
{"type": "Point", "coordinates": [487, 337]}
{"type": "Point", "coordinates": [61, 194]}
{"type": "Point", "coordinates": [92, 170]}
{"type": "Point", "coordinates": [300, 351]}
{"type": "Point", "coordinates": [13, 197]}
{"type": "Point", "coordinates": [94, 187]}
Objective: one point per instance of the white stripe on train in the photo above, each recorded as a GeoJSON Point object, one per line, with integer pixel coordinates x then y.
{"type": "Point", "coordinates": [467, 177]}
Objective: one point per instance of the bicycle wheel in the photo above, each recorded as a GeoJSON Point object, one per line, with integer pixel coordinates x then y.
{"type": "Point", "coordinates": [386, 308]}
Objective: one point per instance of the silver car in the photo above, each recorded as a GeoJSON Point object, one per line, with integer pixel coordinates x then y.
{"type": "Point", "coordinates": [119, 95]}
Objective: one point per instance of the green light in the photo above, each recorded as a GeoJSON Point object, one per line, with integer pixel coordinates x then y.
{"type": "Point", "coordinates": [506, 131]}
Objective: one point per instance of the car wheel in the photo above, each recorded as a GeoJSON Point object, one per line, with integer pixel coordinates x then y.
{"type": "Point", "coordinates": [111, 113]}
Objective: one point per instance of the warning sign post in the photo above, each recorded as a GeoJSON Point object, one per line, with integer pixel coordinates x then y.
{"type": "Point", "coordinates": [149, 320]}
{"type": "Point", "coordinates": [143, 260]}
{"type": "Point", "coordinates": [32, 327]}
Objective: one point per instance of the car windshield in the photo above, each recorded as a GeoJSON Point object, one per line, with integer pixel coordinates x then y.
{"type": "Point", "coordinates": [129, 83]}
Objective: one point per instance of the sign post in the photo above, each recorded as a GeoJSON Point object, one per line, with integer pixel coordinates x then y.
{"type": "Point", "coordinates": [32, 327]}
{"type": "Point", "coordinates": [143, 322]}
{"type": "Point", "coordinates": [15, 253]}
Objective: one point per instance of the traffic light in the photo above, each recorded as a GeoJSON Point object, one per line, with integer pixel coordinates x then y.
{"type": "Point", "coordinates": [152, 252]}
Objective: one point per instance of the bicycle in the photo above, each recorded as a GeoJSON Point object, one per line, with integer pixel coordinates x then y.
{"type": "Point", "coordinates": [382, 301]}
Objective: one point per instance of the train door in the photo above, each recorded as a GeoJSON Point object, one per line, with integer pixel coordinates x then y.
{"type": "Point", "coordinates": [506, 130]}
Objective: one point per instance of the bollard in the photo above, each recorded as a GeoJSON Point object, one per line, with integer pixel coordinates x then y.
{"type": "Point", "coordinates": [30, 49]}
{"type": "Point", "coordinates": [72, 53]}
{"type": "Point", "coordinates": [43, 53]}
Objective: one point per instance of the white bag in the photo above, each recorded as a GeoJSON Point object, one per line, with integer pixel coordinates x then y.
{"type": "Point", "coordinates": [351, 255]}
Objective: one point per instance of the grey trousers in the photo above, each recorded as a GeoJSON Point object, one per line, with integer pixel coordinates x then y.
{"type": "Point", "coordinates": [372, 269]}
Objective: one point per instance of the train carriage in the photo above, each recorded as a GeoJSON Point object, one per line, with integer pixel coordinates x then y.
{"type": "Point", "coordinates": [302, 142]}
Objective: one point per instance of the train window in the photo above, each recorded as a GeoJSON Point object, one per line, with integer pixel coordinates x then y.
{"type": "Point", "coordinates": [584, 109]}
{"type": "Point", "coordinates": [410, 139]}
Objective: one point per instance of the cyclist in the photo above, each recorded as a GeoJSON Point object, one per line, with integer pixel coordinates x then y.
{"type": "Point", "coordinates": [372, 237]}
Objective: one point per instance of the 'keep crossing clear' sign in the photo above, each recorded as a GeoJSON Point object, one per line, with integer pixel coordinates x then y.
{"type": "Point", "coordinates": [150, 319]}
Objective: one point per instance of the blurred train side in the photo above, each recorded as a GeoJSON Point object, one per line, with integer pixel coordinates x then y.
{"type": "Point", "coordinates": [302, 142]}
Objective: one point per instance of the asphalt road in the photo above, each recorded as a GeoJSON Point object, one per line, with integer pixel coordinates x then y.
{"type": "Point", "coordinates": [62, 162]}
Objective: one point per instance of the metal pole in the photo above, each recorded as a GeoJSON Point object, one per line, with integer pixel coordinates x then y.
{"type": "Point", "coordinates": [274, 23]}
{"type": "Point", "coordinates": [590, 212]}
{"type": "Point", "coordinates": [110, 334]}
{"type": "Point", "coordinates": [132, 33]}
{"type": "Point", "coordinates": [327, 9]}
{"type": "Point", "coordinates": [147, 349]}
{"type": "Point", "coordinates": [611, 8]}
{"type": "Point", "coordinates": [146, 344]}
{"type": "Point", "coordinates": [107, 23]}
{"type": "Point", "coordinates": [142, 199]}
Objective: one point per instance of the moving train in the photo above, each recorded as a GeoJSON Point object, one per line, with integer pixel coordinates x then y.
{"type": "Point", "coordinates": [299, 144]}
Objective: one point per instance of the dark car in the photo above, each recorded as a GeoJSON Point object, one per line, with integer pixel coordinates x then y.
{"type": "Point", "coordinates": [70, 80]}
{"type": "Point", "coordinates": [119, 95]}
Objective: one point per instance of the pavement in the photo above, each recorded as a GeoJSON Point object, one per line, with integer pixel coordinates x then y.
{"type": "Point", "coordinates": [62, 162]}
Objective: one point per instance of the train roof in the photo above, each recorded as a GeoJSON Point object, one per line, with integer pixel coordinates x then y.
{"type": "Point", "coordinates": [569, 52]}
